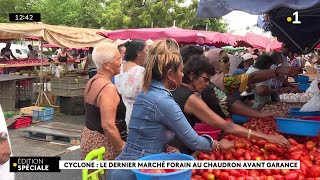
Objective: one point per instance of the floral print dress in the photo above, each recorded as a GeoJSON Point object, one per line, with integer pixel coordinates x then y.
{"type": "Point", "coordinates": [129, 84]}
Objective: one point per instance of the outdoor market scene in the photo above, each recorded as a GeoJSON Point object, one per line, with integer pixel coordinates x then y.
{"type": "Point", "coordinates": [160, 90]}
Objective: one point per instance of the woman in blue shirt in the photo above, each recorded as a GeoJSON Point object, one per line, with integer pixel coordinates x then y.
{"type": "Point", "coordinates": [156, 117]}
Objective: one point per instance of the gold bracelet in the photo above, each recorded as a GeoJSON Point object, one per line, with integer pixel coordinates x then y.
{"type": "Point", "coordinates": [249, 134]}
{"type": "Point", "coordinates": [217, 145]}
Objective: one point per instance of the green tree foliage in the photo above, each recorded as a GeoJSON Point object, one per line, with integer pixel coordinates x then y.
{"type": "Point", "coordinates": [114, 14]}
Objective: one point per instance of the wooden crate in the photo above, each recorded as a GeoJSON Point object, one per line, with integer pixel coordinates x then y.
{"type": "Point", "coordinates": [27, 111]}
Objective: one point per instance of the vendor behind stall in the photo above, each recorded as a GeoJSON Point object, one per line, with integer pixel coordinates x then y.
{"type": "Point", "coordinates": [32, 54]}
{"type": "Point", "coordinates": [262, 90]}
{"type": "Point", "coordinates": [63, 56]}
{"type": "Point", "coordinates": [6, 52]}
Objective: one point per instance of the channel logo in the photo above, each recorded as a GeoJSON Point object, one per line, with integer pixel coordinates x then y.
{"type": "Point", "coordinates": [34, 164]}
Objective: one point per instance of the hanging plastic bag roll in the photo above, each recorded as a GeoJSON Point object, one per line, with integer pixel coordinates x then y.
{"type": "Point", "coordinates": [314, 88]}
{"type": "Point", "coordinates": [312, 105]}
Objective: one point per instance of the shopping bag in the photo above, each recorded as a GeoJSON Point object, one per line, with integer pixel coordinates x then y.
{"type": "Point", "coordinates": [312, 105]}
{"type": "Point", "coordinates": [313, 87]}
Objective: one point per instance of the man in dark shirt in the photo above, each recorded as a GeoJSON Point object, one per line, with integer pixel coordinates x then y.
{"type": "Point", "coordinates": [6, 52]}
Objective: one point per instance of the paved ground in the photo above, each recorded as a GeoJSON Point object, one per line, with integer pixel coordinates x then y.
{"type": "Point", "coordinates": [22, 146]}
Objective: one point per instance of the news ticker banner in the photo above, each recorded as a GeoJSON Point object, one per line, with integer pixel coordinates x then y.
{"type": "Point", "coordinates": [55, 164]}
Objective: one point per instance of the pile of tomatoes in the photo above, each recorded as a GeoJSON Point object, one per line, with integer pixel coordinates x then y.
{"type": "Point", "coordinates": [257, 149]}
{"type": "Point", "coordinates": [270, 127]}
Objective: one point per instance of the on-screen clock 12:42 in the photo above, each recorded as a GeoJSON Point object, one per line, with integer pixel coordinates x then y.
{"type": "Point", "coordinates": [24, 17]}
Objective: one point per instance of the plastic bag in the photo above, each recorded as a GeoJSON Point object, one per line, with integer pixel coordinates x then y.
{"type": "Point", "coordinates": [313, 87]}
{"type": "Point", "coordinates": [312, 105]}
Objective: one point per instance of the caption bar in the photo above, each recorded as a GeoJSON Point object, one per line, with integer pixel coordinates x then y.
{"type": "Point", "coordinates": [179, 164]}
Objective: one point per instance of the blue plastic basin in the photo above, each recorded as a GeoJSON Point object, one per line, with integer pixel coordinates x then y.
{"type": "Point", "coordinates": [296, 113]}
{"type": "Point", "coordinates": [184, 174]}
{"type": "Point", "coordinates": [239, 119]}
{"type": "Point", "coordinates": [304, 86]}
{"type": "Point", "coordinates": [298, 127]}
{"type": "Point", "coordinates": [301, 79]}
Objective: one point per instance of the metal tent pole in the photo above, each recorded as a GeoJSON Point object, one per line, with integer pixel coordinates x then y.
{"type": "Point", "coordinates": [42, 93]}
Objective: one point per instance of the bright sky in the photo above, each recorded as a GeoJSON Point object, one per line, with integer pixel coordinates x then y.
{"type": "Point", "coordinates": [239, 20]}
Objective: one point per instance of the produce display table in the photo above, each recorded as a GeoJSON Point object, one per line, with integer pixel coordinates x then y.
{"type": "Point", "coordinates": [306, 149]}
{"type": "Point", "coordinates": [14, 89]}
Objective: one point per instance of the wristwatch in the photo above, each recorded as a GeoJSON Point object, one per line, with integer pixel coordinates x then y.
{"type": "Point", "coordinates": [3, 136]}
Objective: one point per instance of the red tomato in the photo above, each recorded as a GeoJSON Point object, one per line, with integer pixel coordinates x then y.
{"type": "Point", "coordinates": [228, 155]}
{"type": "Point", "coordinates": [156, 171]}
{"type": "Point", "coordinates": [307, 162]}
{"type": "Point", "coordinates": [254, 173]}
{"type": "Point", "coordinates": [238, 153]}
{"type": "Point", "coordinates": [216, 172]}
{"type": "Point", "coordinates": [207, 176]}
{"type": "Point", "coordinates": [143, 170]}
{"type": "Point", "coordinates": [203, 156]}
{"type": "Point", "coordinates": [314, 171]}
{"type": "Point", "coordinates": [270, 178]}
{"type": "Point", "coordinates": [224, 176]}
{"type": "Point", "coordinates": [194, 172]}
{"type": "Point", "coordinates": [261, 143]}
{"type": "Point", "coordinates": [310, 145]}
{"type": "Point", "coordinates": [285, 171]}
{"type": "Point", "coordinates": [267, 172]}
{"type": "Point", "coordinates": [234, 172]}
{"type": "Point", "coordinates": [280, 151]}
{"type": "Point", "coordinates": [301, 177]}
{"type": "Point", "coordinates": [278, 176]}
{"type": "Point", "coordinates": [240, 144]}
{"type": "Point", "coordinates": [247, 155]}
{"type": "Point", "coordinates": [317, 162]}
{"type": "Point", "coordinates": [243, 171]}
{"type": "Point", "coordinates": [171, 170]}
{"type": "Point", "coordinates": [270, 146]}
{"type": "Point", "coordinates": [303, 168]}
{"type": "Point", "coordinates": [250, 178]}
{"type": "Point", "coordinates": [197, 177]}
{"type": "Point", "coordinates": [232, 178]}
{"type": "Point", "coordinates": [212, 157]}
{"type": "Point", "coordinates": [273, 157]}
{"type": "Point", "coordinates": [293, 175]}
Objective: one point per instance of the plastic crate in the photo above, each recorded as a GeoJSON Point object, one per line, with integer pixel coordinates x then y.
{"type": "Point", "coordinates": [27, 111]}
{"type": "Point", "coordinates": [8, 102]}
{"type": "Point", "coordinates": [68, 92]}
{"type": "Point", "coordinates": [73, 106]}
{"type": "Point", "coordinates": [49, 110]}
{"type": "Point", "coordinates": [69, 82]}
{"type": "Point", "coordinates": [44, 118]}
{"type": "Point", "coordinates": [7, 88]}
{"type": "Point", "coordinates": [21, 122]}
{"type": "Point", "coordinates": [68, 86]}
{"type": "Point", "coordinates": [8, 114]}
{"type": "Point", "coordinates": [43, 112]}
